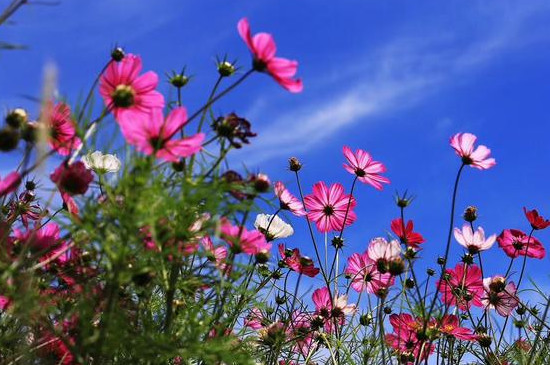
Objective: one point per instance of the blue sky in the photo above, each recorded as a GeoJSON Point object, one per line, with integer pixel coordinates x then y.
{"type": "Point", "coordinates": [396, 78]}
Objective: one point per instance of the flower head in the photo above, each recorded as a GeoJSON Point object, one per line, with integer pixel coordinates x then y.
{"type": "Point", "coordinates": [287, 201]}
{"type": "Point", "coordinates": [62, 129]}
{"type": "Point", "coordinates": [405, 233]}
{"type": "Point", "coordinates": [242, 240]}
{"type": "Point", "coordinates": [537, 221]}
{"type": "Point", "coordinates": [124, 90]}
{"type": "Point", "coordinates": [73, 179]}
{"type": "Point", "coordinates": [273, 227]}
{"type": "Point", "coordinates": [152, 134]}
{"type": "Point", "coordinates": [473, 242]}
{"type": "Point", "coordinates": [10, 183]}
{"type": "Point", "coordinates": [263, 50]}
{"type": "Point", "coordinates": [462, 286]}
{"type": "Point", "coordinates": [516, 243]}
{"type": "Point", "coordinates": [101, 163]}
{"type": "Point", "coordinates": [500, 295]}
{"type": "Point", "coordinates": [463, 144]}
{"type": "Point", "coordinates": [365, 168]}
{"type": "Point", "coordinates": [324, 308]}
{"type": "Point", "coordinates": [296, 262]}
{"type": "Point", "coordinates": [450, 326]}
{"type": "Point", "coordinates": [330, 208]}
{"type": "Point", "coordinates": [364, 274]}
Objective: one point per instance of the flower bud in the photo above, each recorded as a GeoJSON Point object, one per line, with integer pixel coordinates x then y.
{"type": "Point", "coordinates": [409, 283]}
{"type": "Point", "coordinates": [178, 166]}
{"type": "Point", "coordinates": [117, 54]}
{"type": "Point", "coordinates": [470, 214]}
{"type": "Point", "coordinates": [294, 164]}
{"type": "Point", "coordinates": [17, 118]}
{"type": "Point", "coordinates": [430, 272]}
{"type": "Point", "coordinates": [441, 261]}
{"type": "Point", "coordinates": [397, 267]}
{"type": "Point", "coordinates": [226, 68]}
{"type": "Point", "coordinates": [468, 259]}
{"type": "Point", "coordinates": [280, 299]}
{"type": "Point", "coordinates": [9, 139]}
{"type": "Point", "coordinates": [387, 310]}
{"type": "Point", "coordinates": [365, 319]}
{"type": "Point", "coordinates": [260, 182]}
{"type": "Point", "coordinates": [179, 80]}
{"type": "Point", "coordinates": [484, 340]}
{"type": "Point", "coordinates": [338, 242]}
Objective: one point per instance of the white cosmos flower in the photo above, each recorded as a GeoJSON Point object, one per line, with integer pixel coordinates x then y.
{"type": "Point", "coordinates": [277, 229]}
{"type": "Point", "coordinates": [101, 163]}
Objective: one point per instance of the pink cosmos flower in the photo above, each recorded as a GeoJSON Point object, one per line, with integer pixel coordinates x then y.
{"type": "Point", "coordinates": [73, 179]}
{"type": "Point", "coordinates": [124, 90]}
{"type": "Point", "coordinates": [287, 201]}
{"type": "Point", "coordinates": [406, 234]}
{"type": "Point", "coordinates": [10, 183]}
{"type": "Point", "coordinates": [537, 221]}
{"type": "Point", "coordinates": [473, 242]}
{"type": "Point", "coordinates": [216, 254]}
{"type": "Point", "coordinates": [365, 276]}
{"type": "Point", "coordinates": [39, 239]}
{"type": "Point", "coordinates": [263, 50]}
{"type": "Point", "coordinates": [296, 262]}
{"type": "Point", "coordinates": [516, 243]}
{"type": "Point", "coordinates": [462, 286]}
{"type": "Point", "coordinates": [367, 170]}
{"type": "Point", "coordinates": [63, 138]}
{"type": "Point", "coordinates": [450, 325]}
{"type": "Point", "coordinates": [254, 319]}
{"type": "Point", "coordinates": [386, 255]}
{"type": "Point", "coordinates": [500, 295]}
{"type": "Point", "coordinates": [325, 309]}
{"type": "Point", "coordinates": [5, 302]}
{"type": "Point", "coordinates": [301, 332]}
{"type": "Point", "coordinates": [405, 339]}
{"type": "Point", "coordinates": [463, 144]}
{"type": "Point", "coordinates": [327, 207]}
{"type": "Point", "coordinates": [151, 134]}
{"type": "Point", "coordinates": [242, 240]}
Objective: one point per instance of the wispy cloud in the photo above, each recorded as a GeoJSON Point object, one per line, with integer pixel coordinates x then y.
{"type": "Point", "coordinates": [399, 75]}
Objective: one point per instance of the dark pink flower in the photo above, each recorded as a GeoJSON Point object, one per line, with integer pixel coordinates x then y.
{"type": "Point", "coordinates": [152, 134]}
{"type": "Point", "coordinates": [73, 179]}
{"type": "Point", "coordinates": [328, 206]}
{"type": "Point", "coordinates": [365, 168]}
{"type": "Point", "coordinates": [537, 221]}
{"type": "Point", "coordinates": [463, 144]}
{"type": "Point", "coordinates": [242, 240]}
{"type": "Point", "coordinates": [296, 262]}
{"type": "Point", "coordinates": [405, 340]}
{"type": "Point", "coordinates": [61, 127]}
{"type": "Point", "coordinates": [406, 234]}
{"type": "Point", "coordinates": [500, 295]}
{"type": "Point", "coordinates": [263, 49]}
{"type": "Point", "coordinates": [462, 286]}
{"type": "Point", "coordinates": [365, 276]}
{"type": "Point", "coordinates": [10, 183]}
{"type": "Point", "coordinates": [124, 90]}
{"type": "Point", "coordinates": [39, 239]}
{"type": "Point", "coordinates": [516, 243]}
{"type": "Point", "coordinates": [287, 201]}
{"type": "Point", "coordinates": [5, 302]}
{"type": "Point", "coordinates": [450, 326]}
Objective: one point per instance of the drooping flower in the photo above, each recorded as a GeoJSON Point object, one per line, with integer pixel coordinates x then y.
{"type": "Point", "coordinates": [263, 50]}
{"type": "Point", "coordinates": [463, 144]}
{"type": "Point", "coordinates": [237, 130]}
{"type": "Point", "coordinates": [287, 201]}
{"type": "Point", "coordinates": [296, 262]}
{"type": "Point", "coordinates": [273, 227]}
{"type": "Point", "coordinates": [500, 295]}
{"type": "Point", "coordinates": [474, 242]}
{"type": "Point", "coordinates": [516, 243]}
{"type": "Point", "coordinates": [328, 207]}
{"type": "Point", "coordinates": [462, 286]}
{"type": "Point", "coordinates": [61, 128]}
{"type": "Point", "coordinates": [101, 163]}
{"type": "Point", "coordinates": [365, 168]}
{"type": "Point", "coordinates": [152, 134]}
{"type": "Point", "coordinates": [242, 240]}
{"type": "Point", "coordinates": [365, 276]}
{"type": "Point", "coordinates": [124, 90]}
{"type": "Point", "coordinates": [537, 221]}
{"type": "Point", "coordinates": [73, 179]}
{"type": "Point", "coordinates": [10, 183]}
{"type": "Point", "coordinates": [406, 234]}
{"type": "Point", "coordinates": [324, 308]}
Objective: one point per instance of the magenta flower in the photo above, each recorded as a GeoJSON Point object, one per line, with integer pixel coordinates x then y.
{"type": "Point", "coordinates": [5, 302]}
{"type": "Point", "coordinates": [10, 183]}
{"type": "Point", "coordinates": [296, 262]}
{"type": "Point", "coordinates": [535, 219]}
{"type": "Point", "coordinates": [151, 134]}
{"type": "Point", "coordinates": [463, 144]}
{"type": "Point", "coordinates": [365, 168]}
{"type": "Point", "coordinates": [329, 312]}
{"type": "Point", "coordinates": [500, 295]}
{"type": "Point", "coordinates": [242, 240]}
{"type": "Point", "coordinates": [287, 201]}
{"type": "Point", "coordinates": [462, 286]}
{"type": "Point", "coordinates": [365, 276]}
{"type": "Point", "coordinates": [263, 50]}
{"type": "Point", "coordinates": [124, 90]}
{"type": "Point", "coordinates": [62, 130]}
{"type": "Point", "coordinates": [406, 234]}
{"type": "Point", "coordinates": [73, 179]}
{"type": "Point", "coordinates": [215, 254]}
{"type": "Point", "coordinates": [473, 242]}
{"type": "Point", "coordinates": [328, 206]}
{"type": "Point", "coordinates": [515, 243]}
{"type": "Point", "coordinates": [39, 239]}
{"type": "Point", "coordinates": [450, 325]}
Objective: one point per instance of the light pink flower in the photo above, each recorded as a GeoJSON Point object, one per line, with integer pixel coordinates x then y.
{"type": "Point", "coordinates": [254, 319]}
{"type": "Point", "coordinates": [263, 49]}
{"type": "Point", "coordinates": [365, 168]}
{"type": "Point", "coordinates": [365, 276]}
{"type": "Point", "coordinates": [516, 243]}
{"type": "Point", "coordinates": [10, 183]}
{"type": "Point", "coordinates": [500, 295]}
{"type": "Point", "coordinates": [327, 207]}
{"type": "Point", "coordinates": [287, 201]}
{"type": "Point", "coordinates": [380, 249]}
{"type": "Point", "coordinates": [151, 134]}
{"type": "Point", "coordinates": [62, 129]}
{"type": "Point", "coordinates": [124, 90]}
{"type": "Point", "coordinates": [242, 240]}
{"type": "Point", "coordinates": [473, 242]}
{"type": "Point", "coordinates": [463, 144]}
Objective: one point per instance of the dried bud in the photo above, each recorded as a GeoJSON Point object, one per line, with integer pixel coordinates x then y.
{"type": "Point", "coordinates": [294, 164]}
{"type": "Point", "coordinates": [9, 139]}
{"type": "Point", "coordinates": [470, 214]}
{"type": "Point", "coordinates": [338, 242]}
{"type": "Point", "coordinates": [17, 118]}
{"type": "Point", "coordinates": [234, 128]}
{"type": "Point", "coordinates": [117, 54]}
{"type": "Point", "coordinates": [430, 272]}
{"type": "Point", "coordinates": [409, 283]}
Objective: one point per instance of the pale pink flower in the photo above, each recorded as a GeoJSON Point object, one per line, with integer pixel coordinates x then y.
{"type": "Point", "coordinates": [151, 134]}
{"type": "Point", "coordinates": [500, 295]}
{"type": "Point", "coordinates": [287, 201]}
{"type": "Point", "coordinates": [365, 168]}
{"type": "Point", "coordinates": [263, 49]}
{"type": "Point", "coordinates": [254, 319]}
{"type": "Point", "coordinates": [474, 242]}
{"type": "Point", "coordinates": [10, 183]}
{"type": "Point", "coordinates": [328, 207]}
{"type": "Point", "coordinates": [463, 144]}
{"type": "Point", "coordinates": [124, 90]}
{"type": "Point", "coordinates": [380, 249]}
